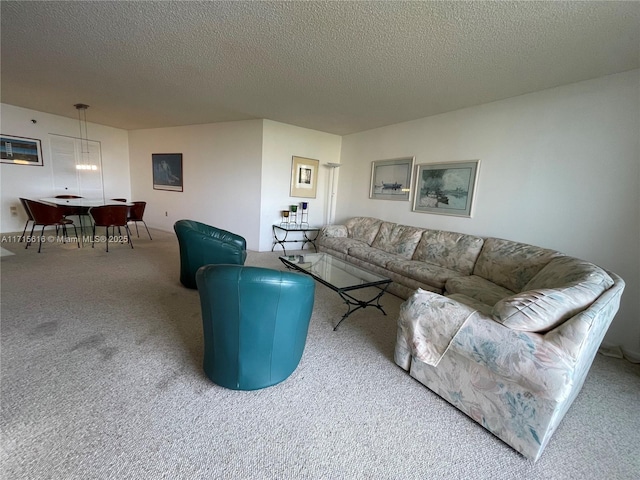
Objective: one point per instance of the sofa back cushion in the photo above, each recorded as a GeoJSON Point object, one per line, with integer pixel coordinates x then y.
{"type": "Point", "coordinates": [511, 264]}
{"type": "Point", "coordinates": [455, 251]}
{"type": "Point", "coordinates": [363, 228]}
{"type": "Point", "coordinates": [564, 271]}
{"type": "Point", "coordinates": [562, 289]}
{"type": "Point", "coordinates": [397, 239]}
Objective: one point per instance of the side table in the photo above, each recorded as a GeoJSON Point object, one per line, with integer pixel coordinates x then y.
{"type": "Point", "coordinates": [280, 239]}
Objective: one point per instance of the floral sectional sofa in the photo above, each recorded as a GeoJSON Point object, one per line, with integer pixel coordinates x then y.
{"type": "Point", "coordinates": [504, 331]}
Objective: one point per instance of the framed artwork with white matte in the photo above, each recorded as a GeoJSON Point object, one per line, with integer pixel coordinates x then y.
{"type": "Point", "coordinates": [304, 177]}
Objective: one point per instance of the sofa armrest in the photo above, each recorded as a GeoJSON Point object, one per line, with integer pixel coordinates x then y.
{"type": "Point", "coordinates": [525, 358]}
{"type": "Point", "coordinates": [590, 325]}
{"type": "Point", "coordinates": [427, 323]}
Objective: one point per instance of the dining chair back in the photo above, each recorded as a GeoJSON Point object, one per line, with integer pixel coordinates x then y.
{"type": "Point", "coordinates": [110, 216]}
{"type": "Point", "coordinates": [48, 215]}
{"type": "Point", "coordinates": [136, 212]}
{"type": "Point", "coordinates": [23, 201]}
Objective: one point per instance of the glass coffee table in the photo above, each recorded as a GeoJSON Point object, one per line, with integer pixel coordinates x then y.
{"type": "Point", "coordinates": [341, 277]}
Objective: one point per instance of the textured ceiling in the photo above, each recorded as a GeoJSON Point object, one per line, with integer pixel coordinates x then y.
{"type": "Point", "coordinates": [338, 67]}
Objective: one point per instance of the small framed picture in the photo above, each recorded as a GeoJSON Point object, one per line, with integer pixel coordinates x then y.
{"type": "Point", "coordinates": [167, 171]}
{"type": "Point", "coordinates": [20, 150]}
{"type": "Point", "coordinates": [446, 188]}
{"type": "Point", "coordinates": [304, 177]}
{"type": "Point", "coordinates": [391, 179]}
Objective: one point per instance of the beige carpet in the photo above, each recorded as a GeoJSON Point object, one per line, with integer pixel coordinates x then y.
{"type": "Point", "coordinates": [101, 379]}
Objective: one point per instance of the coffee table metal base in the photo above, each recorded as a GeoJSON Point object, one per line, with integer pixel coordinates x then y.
{"type": "Point", "coordinates": [354, 304]}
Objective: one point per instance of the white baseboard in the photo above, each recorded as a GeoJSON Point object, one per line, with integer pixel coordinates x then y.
{"type": "Point", "coordinates": [616, 351]}
{"type": "Point", "coordinates": [633, 357]}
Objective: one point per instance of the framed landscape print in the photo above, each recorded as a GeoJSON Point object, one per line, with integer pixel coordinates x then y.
{"type": "Point", "coordinates": [167, 171]}
{"type": "Point", "coordinates": [391, 179]}
{"type": "Point", "coordinates": [304, 177]}
{"type": "Point", "coordinates": [446, 188]}
{"type": "Point", "coordinates": [20, 150]}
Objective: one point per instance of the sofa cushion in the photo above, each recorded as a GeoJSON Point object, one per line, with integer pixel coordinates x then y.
{"type": "Point", "coordinates": [472, 302]}
{"type": "Point", "coordinates": [424, 272]}
{"type": "Point", "coordinates": [478, 288]}
{"type": "Point", "coordinates": [333, 231]}
{"type": "Point", "coordinates": [543, 309]}
{"type": "Point", "coordinates": [342, 244]}
{"type": "Point", "coordinates": [371, 255]}
{"type": "Point", "coordinates": [400, 240]}
{"type": "Point", "coordinates": [511, 264]}
{"type": "Point", "coordinates": [559, 291]}
{"type": "Point", "coordinates": [568, 270]}
{"type": "Point", "coordinates": [363, 228]}
{"type": "Point", "coordinates": [451, 250]}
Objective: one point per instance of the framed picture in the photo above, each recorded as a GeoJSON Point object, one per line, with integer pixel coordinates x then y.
{"type": "Point", "coordinates": [167, 171]}
{"type": "Point", "coordinates": [20, 150]}
{"type": "Point", "coordinates": [446, 188]}
{"type": "Point", "coordinates": [304, 177]}
{"type": "Point", "coordinates": [391, 179]}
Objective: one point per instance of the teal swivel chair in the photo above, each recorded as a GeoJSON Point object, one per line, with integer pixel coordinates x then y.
{"type": "Point", "coordinates": [201, 244]}
{"type": "Point", "coordinates": [255, 322]}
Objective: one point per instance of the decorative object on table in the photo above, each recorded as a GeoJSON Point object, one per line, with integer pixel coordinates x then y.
{"type": "Point", "coordinates": [255, 323]}
{"type": "Point", "coordinates": [446, 188]}
{"type": "Point", "coordinates": [285, 217]}
{"type": "Point", "coordinates": [20, 150]}
{"type": "Point", "coordinates": [293, 214]}
{"type": "Point", "coordinates": [167, 171]}
{"type": "Point", "coordinates": [201, 244]}
{"type": "Point", "coordinates": [391, 179]}
{"type": "Point", "coordinates": [304, 177]}
{"type": "Point", "coordinates": [304, 214]}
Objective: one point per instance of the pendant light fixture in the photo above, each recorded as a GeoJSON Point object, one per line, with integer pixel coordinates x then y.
{"type": "Point", "coordinates": [85, 163]}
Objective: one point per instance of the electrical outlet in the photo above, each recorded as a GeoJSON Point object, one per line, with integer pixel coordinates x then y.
{"type": "Point", "coordinates": [166, 214]}
{"type": "Point", "coordinates": [14, 210]}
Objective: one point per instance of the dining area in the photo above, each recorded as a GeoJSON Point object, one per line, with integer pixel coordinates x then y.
{"type": "Point", "coordinates": [81, 220]}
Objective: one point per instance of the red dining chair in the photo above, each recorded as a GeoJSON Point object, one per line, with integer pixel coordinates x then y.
{"type": "Point", "coordinates": [48, 215]}
{"type": "Point", "coordinates": [29, 216]}
{"type": "Point", "coordinates": [136, 212]}
{"type": "Point", "coordinates": [110, 216]}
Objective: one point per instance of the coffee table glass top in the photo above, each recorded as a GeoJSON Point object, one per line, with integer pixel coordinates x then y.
{"type": "Point", "coordinates": [334, 272]}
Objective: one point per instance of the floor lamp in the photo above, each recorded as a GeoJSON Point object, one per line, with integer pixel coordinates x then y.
{"type": "Point", "coordinates": [332, 192]}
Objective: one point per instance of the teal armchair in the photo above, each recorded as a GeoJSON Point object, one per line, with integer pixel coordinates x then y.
{"type": "Point", "coordinates": [202, 244]}
{"type": "Point", "coordinates": [255, 323]}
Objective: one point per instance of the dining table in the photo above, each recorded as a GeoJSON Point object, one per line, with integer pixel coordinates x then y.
{"type": "Point", "coordinates": [82, 205]}
{"type": "Point", "coordinates": [82, 202]}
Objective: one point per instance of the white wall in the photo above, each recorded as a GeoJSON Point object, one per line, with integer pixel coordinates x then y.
{"type": "Point", "coordinates": [37, 182]}
{"type": "Point", "coordinates": [222, 167]}
{"type": "Point", "coordinates": [280, 143]}
{"type": "Point", "coordinates": [559, 169]}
